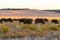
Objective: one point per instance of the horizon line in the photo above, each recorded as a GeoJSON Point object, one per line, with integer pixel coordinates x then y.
{"type": "Point", "coordinates": [25, 9]}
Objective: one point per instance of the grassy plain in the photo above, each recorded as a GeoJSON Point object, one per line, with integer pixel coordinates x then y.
{"type": "Point", "coordinates": [16, 29]}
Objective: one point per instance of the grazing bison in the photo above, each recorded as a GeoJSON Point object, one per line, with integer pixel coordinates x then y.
{"type": "Point", "coordinates": [39, 21]}
{"type": "Point", "coordinates": [10, 20]}
{"type": "Point", "coordinates": [16, 19]}
{"type": "Point", "coordinates": [54, 21]}
{"type": "Point", "coordinates": [26, 21]}
{"type": "Point", "coordinates": [4, 19]}
{"type": "Point", "coordinates": [46, 20]}
{"type": "Point", "coordinates": [0, 21]}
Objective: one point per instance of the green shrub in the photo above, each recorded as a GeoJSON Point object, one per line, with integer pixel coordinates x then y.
{"type": "Point", "coordinates": [43, 28]}
{"type": "Point", "coordinates": [1, 31]}
{"type": "Point", "coordinates": [54, 28]}
{"type": "Point", "coordinates": [5, 28]}
{"type": "Point", "coordinates": [24, 27]}
{"type": "Point", "coordinates": [32, 27]}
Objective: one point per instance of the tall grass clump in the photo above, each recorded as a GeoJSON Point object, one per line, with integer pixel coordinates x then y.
{"type": "Point", "coordinates": [53, 28]}
{"type": "Point", "coordinates": [4, 28]}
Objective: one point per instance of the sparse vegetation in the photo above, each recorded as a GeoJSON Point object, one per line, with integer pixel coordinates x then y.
{"type": "Point", "coordinates": [23, 30]}
{"type": "Point", "coordinates": [53, 28]}
{"type": "Point", "coordinates": [4, 28]}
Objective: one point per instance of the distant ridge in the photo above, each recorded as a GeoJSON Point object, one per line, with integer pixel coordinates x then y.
{"type": "Point", "coordinates": [57, 11]}
{"type": "Point", "coordinates": [14, 9]}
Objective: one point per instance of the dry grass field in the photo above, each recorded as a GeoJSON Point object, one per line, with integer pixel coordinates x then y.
{"type": "Point", "coordinates": [16, 29]}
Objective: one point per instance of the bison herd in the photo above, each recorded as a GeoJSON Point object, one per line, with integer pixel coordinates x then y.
{"type": "Point", "coordinates": [28, 21]}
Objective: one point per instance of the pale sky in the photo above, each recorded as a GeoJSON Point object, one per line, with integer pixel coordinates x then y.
{"type": "Point", "coordinates": [32, 4]}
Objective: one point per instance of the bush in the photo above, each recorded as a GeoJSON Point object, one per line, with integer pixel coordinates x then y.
{"type": "Point", "coordinates": [43, 27]}
{"type": "Point", "coordinates": [5, 28]}
{"type": "Point", "coordinates": [32, 27]}
{"type": "Point", "coordinates": [54, 28]}
{"type": "Point", "coordinates": [24, 27]}
{"type": "Point", "coordinates": [1, 31]}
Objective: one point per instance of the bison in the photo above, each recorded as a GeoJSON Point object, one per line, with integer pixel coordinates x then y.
{"type": "Point", "coordinates": [54, 21]}
{"type": "Point", "coordinates": [38, 20]}
{"type": "Point", "coordinates": [26, 21]}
